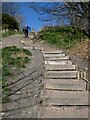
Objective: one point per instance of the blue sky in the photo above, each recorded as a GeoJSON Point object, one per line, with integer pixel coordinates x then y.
{"type": "Point", "coordinates": [31, 17]}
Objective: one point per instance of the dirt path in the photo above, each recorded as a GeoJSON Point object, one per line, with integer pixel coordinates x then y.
{"type": "Point", "coordinates": [23, 105]}
{"type": "Point", "coordinates": [25, 102]}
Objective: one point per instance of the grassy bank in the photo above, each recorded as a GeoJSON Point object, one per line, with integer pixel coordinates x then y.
{"type": "Point", "coordinates": [8, 33]}
{"type": "Point", "coordinates": [13, 58]}
{"type": "Point", "coordinates": [63, 37]}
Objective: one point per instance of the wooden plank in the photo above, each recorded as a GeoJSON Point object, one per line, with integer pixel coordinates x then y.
{"type": "Point", "coordinates": [58, 62]}
{"type": "Point", "coordinates": [57, 58]}
{"type": "Point", "coordinates": [54, 55]}
{"type": "Point", "coordinates": [60, 67]}
{"type": "Point", "coordinates": [61, 74]}
{"type": "Point", "coordinates": [54, 97]}
{"type": "Point", "coordinates": [65, 84]}
{"type": "Point", "coordinates": [53, 52]}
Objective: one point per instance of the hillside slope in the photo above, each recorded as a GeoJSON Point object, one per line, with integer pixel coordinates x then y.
{"type": "Point", "coordinates": [62, 37]}
{"type": "Point", "coordinates": [72, 40]}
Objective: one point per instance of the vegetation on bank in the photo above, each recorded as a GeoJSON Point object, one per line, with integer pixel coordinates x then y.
{"type": "Point", "coordinates": [13, 58]}
{"type": "Point", "coordinates": [62, 36]}
{"type": "Point", "coordinates": [8, 33]}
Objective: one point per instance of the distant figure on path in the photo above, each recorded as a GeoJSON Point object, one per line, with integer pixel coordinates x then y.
{"type": "Point", "coordinates": [25, 30]}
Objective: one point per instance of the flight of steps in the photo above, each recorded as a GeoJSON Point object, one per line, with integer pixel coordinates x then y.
{"type": "Point", "coordinates": [64, 89]}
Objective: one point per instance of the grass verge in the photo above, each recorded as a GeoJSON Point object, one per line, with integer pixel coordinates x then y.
{"type": "Point", "coordinates": [8, 33]}
{"type": "Point", "coordinates": [62, 36]}
{"type": "Point", "coordinates": [12, 58]}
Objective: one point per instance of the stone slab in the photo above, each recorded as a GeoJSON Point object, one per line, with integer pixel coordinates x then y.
{"type": "Point", "coordinates": [61, 74]}
{"type": "Point", "coordinates": [65, 84]}
{"type": "Point", "coordinates": [55, 97]}
{"type": "Point", "coordinates": [60, 67]}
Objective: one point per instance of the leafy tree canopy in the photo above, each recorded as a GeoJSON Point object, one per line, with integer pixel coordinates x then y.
{"type": "Point", "coordinates": [9, 22]}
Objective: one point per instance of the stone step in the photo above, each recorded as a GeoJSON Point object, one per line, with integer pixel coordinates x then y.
{"type": "Point", "coordinates": [61, 74]}
{"type": "Point", "coordinates": [54, 97]}
{"type": "Point", "coordinates": [57, 58]}
{"type": "Point", "coordinates": [68, 112]}
{"type": "Point", "coordinates": [53, 52]}
{"type": "Point", "coordinates": [58, 62]}
{"type": "Point", "coordinates": [60, 67]}
{"type": "Point", "coordinates": [65, 84]}
{"type": "Point", "coordinates": [54, 55]}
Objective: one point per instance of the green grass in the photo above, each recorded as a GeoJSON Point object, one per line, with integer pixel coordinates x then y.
{"type": "Point", "coordinates": [63, 37]}
{"type": "Point", "coordinates": [12, 57]}
{"type": "Point", "coordinates": [8, 33]}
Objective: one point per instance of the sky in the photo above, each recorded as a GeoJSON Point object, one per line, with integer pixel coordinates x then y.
{"type": "Point", "coordinates": [30, 16]}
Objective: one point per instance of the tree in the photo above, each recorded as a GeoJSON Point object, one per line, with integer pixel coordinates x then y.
{"type": "Point", "coordinates": [73, 13]}
{"type": "Point", "coordinates": [10, 8]}
{"type": "Point", "coordinates": [13, 9]}
{"type": "Point", "coordinates": [50, 11]}
{"type": "Point", "coordinates": [9, 22]}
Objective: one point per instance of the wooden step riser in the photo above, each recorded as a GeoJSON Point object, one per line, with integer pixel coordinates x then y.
{"type": "Point", "coordinates": [58, 63]}
{"type": "Point", "coordinates": [60, 67]}
{"type": "Point", "coordinates": [61, 74]}
{"type": "Point", "coordinates": [65, 84]}
{"type": "Point", "coordinates": [53, 52]}
{"type": "Point", "coordinates": [56, 58]}
{"type": "Point", "coordinates": [66, 101]}
{"type": "Point", "coordinates": [54, 55]}
{"type": "Point", "coordinates": [66, 97]}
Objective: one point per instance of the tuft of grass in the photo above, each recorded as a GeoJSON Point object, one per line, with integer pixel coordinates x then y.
{"type": "Point", "coordinates": [12, 57]}
{"type": "Point", "coordinates": [62, 36]}
{"type": "Point", "coordinates": [8, 33]}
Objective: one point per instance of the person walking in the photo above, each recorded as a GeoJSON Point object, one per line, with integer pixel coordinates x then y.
{"type": "Point", "coordinates": [25, 30]}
